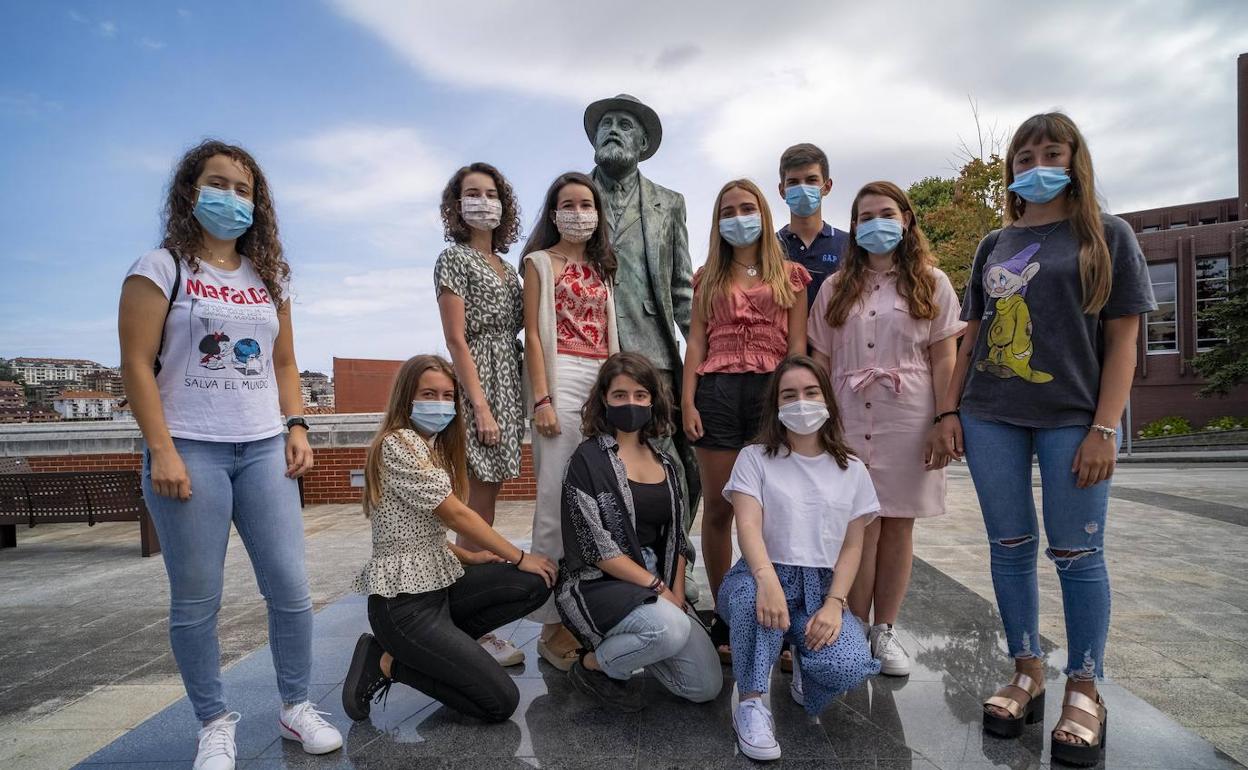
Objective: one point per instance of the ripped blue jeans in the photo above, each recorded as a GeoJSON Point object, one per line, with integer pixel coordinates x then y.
{"type": "Point", "coordinates": [999, 457]}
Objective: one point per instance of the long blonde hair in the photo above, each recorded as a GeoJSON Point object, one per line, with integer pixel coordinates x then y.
{"type": "Point", "coordinates": [1095, 268]}
{"type": "Point", "coordinates": [449, 447]}
{"type": "Point", "coordinates": [916, 276]}
{"type": "Point", "coordinates": [716, 280]}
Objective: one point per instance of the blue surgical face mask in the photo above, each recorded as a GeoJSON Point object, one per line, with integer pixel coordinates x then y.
{"type": "Point", "coordinates": [741, 231]}
{"type": "Point", "coordinates": [431, 417]}
{"type": "Point", "coordinates": [803, 199]}
{"type": "Point", "coordinates": [880, 235]}
{"type": "Point", "coordinates": [1040, 184]}
{"type": "Point", "coordinates": [222, 213]}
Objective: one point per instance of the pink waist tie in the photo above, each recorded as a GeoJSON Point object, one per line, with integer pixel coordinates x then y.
{"type": "Point", "coordinates": [864, 377]}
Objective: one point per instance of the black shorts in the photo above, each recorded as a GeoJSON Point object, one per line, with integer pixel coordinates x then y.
{"type": "Point", "coordinates": [730, 405]}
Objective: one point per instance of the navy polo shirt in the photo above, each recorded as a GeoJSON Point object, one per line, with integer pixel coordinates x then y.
{"type": "Point", "coordinates": [821, 258]}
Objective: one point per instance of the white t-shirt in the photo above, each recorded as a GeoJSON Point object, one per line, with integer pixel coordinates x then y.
{"type": "Point", "coordinates": [808, 502]}
{"type": "Point", "coordinates": [216, 378]}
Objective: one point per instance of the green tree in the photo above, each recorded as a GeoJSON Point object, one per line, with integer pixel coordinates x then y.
{"type": "Point", "coordinates": [1226, 365]}
{"type": "Point", "coordinates": [956, 213]}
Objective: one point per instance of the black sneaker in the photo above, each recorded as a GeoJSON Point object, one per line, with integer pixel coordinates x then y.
{"type": "Point", "coordinates": [607, 691]}
{"type": "Point", "coordinates": [364, 678]}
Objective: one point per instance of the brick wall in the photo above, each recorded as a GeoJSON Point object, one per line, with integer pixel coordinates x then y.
{"type": "Point", "coordinates": [98, 462]}
{"type": "Point", "coordinates": [328, 482]}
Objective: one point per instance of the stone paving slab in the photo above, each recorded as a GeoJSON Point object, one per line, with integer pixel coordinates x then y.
{"type": "Point", "coordinates": [929, 720]}
{"type": "Point", "coordinates": [1179, 580]}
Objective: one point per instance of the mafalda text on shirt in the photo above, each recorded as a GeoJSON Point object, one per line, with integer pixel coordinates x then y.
{"type": "Point", "coordinates": [228, 323]}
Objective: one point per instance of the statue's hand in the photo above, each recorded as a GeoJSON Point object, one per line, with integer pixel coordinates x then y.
{"type": "Point", "coordinates": [693, 422]}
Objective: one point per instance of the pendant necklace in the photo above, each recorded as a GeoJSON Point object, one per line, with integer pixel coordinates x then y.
{"type": "Point", "coordinates": [750, 270]}
{"type": "Point", "coordinates": [1045, 233]}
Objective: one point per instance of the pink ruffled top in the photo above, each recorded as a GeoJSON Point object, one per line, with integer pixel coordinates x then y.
{"type": "Point", "coordinates": [748, 331]}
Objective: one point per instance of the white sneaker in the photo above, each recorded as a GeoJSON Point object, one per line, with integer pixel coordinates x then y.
{"type": "Point", "coordinates": [795, 689]}
{"type": "Point", "coordinates": [756, 732]}
{"type": "Point", "coordinates": [502, 651]}
{"type": "Point", "coordinates": [887, 648]}
{"type": "Point", "coordinates": [303, 723]}
{"type": "Point", "coordinates": [216, 743]}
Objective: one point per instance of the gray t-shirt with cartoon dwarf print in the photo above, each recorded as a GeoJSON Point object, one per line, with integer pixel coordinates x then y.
{"type": "Point", "coordinates": [1037, 358]}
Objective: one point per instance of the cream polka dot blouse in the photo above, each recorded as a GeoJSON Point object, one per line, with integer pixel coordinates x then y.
{"type": "Point", "coordinates": [410, 552]}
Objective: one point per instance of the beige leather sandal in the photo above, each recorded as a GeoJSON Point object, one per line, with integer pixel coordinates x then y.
{"type": "Point", "coordinates": [1021, 712]}
{"type": "Point", "coordinates": [1089, 751]}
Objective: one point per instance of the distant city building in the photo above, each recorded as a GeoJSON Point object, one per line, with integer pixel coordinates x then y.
{"type": "Point", "coordinates": [105, 380]}
{"type": "Point", "coordinates": [11, 414]}
{"type": "Point", "coordinates": [363, 384]}
{"type": "Point", "coordinates": [41, 394]}
{"type": "Point", "coordinates": [1190, 248]}
{"type": "Point", "coordinates": [122, 412]}
{"type": "Point", "coordinates": [85, 405]}
{"type": "Point", "coordinates": [318, 391]}
{"type": "Point", "coordinates": [36, 370]}
{"type": "Point", "coordinates": [12, 395]}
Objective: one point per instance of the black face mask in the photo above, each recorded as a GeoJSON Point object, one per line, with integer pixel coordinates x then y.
{"type": "Point", "coordinates": [628, 418]}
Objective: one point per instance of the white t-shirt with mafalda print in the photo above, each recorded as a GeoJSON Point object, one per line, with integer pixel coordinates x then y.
{"type": "Point", "coordinates": [216, 378]}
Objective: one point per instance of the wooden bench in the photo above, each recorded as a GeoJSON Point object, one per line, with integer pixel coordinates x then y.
{"type": "Point", "coordinates": [93, 496]}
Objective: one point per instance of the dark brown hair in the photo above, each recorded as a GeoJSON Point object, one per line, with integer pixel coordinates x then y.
{"type": "Point", "coordinates": [184, 237]}
{"type": "Point", "coordinates": [449, 447]}
{"type": "Point", "coordinates": [594, 413]}
{"type": "Point", "coordinates": [597, 249]}
{"type": "Point", "coordinates": [771, 432]}
{"type": "Point", "coordinates": [1096, 270]}
{"type": "Point", "coordinates": [916, 275]}
{"type": "Point", "coordinates": [456, 230]}
{"type": "Point", "coordinates": [803, 155]}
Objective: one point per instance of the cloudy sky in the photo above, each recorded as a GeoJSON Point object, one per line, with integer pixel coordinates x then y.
{"type": "Point", "coordinates": [359, 110]}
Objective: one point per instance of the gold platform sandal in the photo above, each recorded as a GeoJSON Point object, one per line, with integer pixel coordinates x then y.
{"type": "Point", "coordinates": [1088, 752]}
{"type": "Point", "coordinates": [1021, 714]}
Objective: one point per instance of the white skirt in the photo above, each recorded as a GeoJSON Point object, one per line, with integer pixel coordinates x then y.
{"type": "Point", "coordinates": [574, 379]}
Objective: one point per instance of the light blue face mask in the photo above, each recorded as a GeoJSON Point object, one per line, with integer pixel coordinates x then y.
{"type": "Point", "coordinates": [222, 213]}
{"type": "Point", "coordinates": [432, 417]}
{"type": "Point", "coordinates": [803, 199]}
{"type": "Point", "coordinates": [880, 235]}
{"type": "Point", "coordinates": [1040, 184]}
{"type": "Point", "coordinates": [741, 231]}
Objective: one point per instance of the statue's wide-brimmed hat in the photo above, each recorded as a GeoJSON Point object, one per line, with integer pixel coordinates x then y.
{"type": "Point", "coordinates": [648, 117]}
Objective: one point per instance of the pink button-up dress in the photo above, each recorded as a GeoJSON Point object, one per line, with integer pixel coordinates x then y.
{"type": "Point", "coordinates": [882, 376]}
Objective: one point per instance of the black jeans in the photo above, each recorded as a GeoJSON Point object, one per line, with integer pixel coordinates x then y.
{"type": "Point", "coordinates": [433, 637]}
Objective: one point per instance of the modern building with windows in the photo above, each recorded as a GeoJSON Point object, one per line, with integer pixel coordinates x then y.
{"type": "Point", "coordinates": [36, 370]}
{"type": "Point", "coordinates": [1190, 249]}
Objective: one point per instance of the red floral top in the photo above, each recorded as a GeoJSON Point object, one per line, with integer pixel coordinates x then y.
{"type": "Point", "coordinates": [581, 312]}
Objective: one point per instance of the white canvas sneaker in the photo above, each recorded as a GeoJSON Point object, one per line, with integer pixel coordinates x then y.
{"type": "Point", "coordinates": [894, 661]}
{"type": "Point", "coordinates": [756, 732]}
{"type": "Point", "coordinates": [216, 743]}
{"type": "Point", "coordinates": [303, 723]}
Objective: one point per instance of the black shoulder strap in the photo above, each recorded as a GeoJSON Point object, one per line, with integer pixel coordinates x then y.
{"type": "Point", "coordinates": [173, 296]}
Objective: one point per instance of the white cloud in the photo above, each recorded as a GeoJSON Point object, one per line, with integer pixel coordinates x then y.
{"type": "Point", "coordinates": [78, 17]}
{"type": "Point", "coordinates": [365, 173]}
{"type": "Point", "coordinates": [27, 105]}
{"type": "Point", "coordinates": [152, 45]}
{"type": "Point", "coordinates": [107, 28]}
{"type": "Point", "coordinates": [883, 92]}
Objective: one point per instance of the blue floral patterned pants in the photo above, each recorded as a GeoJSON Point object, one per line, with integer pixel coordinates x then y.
{"type": "Point", "coordinates": [837, 668]}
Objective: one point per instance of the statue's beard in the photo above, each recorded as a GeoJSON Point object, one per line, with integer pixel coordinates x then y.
{"type": "Point", "coordinates": [615, 159]}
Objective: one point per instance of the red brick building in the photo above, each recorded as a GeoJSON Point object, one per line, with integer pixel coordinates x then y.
{"type": "Point", "coordinates": [1190, 249]}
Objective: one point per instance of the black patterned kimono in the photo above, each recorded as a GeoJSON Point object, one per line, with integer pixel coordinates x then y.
{"type": "Point", "coordinates": [599, 522]}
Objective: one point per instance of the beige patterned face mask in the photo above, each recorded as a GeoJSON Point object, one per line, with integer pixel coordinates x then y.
{"type": "Point", "coordinates": [481, 213]}
{"type": "Point", "coordinates": [576, 226]}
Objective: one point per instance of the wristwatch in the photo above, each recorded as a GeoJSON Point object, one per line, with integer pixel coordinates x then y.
{"type": "Point", "coordinates": [297, 421]}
